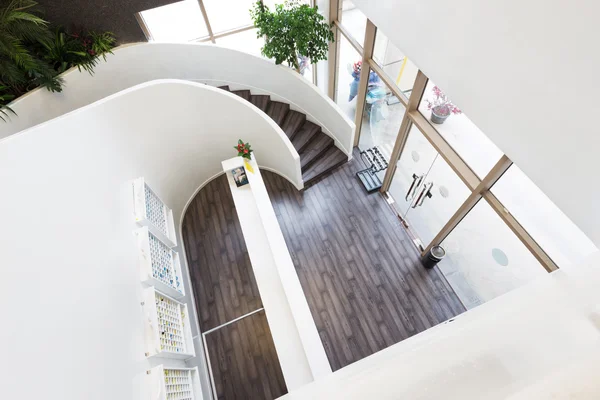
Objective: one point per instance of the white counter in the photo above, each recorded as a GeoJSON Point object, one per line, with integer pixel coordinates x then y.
{"type": "Point", "coordinates": [299, 347]}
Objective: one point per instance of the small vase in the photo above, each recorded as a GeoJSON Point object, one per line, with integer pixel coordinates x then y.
{"type": "Point", "coordinates": [437, 118]}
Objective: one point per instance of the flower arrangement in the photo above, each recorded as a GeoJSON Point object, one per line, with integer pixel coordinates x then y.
{"type": "Point", "coordinates": [244, 149]}
{"type": "Point", "coordinates": [441, 106]}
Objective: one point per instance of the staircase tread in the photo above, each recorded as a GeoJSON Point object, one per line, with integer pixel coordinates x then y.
{"type": "Point", "coordinates": [331, 159]}
{"type": "Point", "coordinates": [245, 94]}
{"type": "Point", "coordinates": [261, 101]}
{"type": "Point", "coordinates": [294, 120]}
{"type": "Point", "coordinates": [277, 111]}
{"type": "Point", "coordinates": [226, 87]}
{"type": "Point", "coordinates": [320, 143]}
{"type": "Point", "coordinates": [304, 135]}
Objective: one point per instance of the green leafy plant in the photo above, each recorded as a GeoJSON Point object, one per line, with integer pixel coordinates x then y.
{"type": "Point", "coordinates": [32, 56]}
{"type": "Point", "coordinates": [78, 49]}
{"type": "Point", "coordinates": [244, 149]}
{"type": "Point", "coordinates": [291, 31]}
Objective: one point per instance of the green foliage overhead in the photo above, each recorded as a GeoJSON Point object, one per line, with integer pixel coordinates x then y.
{"type": "Point", "coordinates": [293, 29]}
{"type": "Point", "coordinates": [32, 54]}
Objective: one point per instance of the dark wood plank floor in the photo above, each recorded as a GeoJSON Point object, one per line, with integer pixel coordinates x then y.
{"type": "Point", "coordinates": [220, 269]}
{"type": "Point", "coordinates": [360, 273]}
{"type": "Point", "coordinates": [244, 361]}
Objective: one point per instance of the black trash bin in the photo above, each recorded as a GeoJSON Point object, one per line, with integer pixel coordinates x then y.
{"type": "Point", "coordinates": [433, 256]}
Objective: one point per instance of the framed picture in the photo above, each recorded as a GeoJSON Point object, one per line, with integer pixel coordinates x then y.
{"type": "Point", "coordinates": [239, 176]}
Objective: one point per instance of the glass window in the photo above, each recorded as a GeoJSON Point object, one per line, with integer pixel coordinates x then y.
{"type": "Point", "coordinates": [227, 15]}
{"type": "Point", "coordinates": [484, 259]}
{"type": "Point", "coordinates": [560, 238]}
{"type": "Point", "coordinates": [394, 63]}
{"type": "Point", "coordinates": [353, 20]}
{"type": "Point", "coordinates": [347, 77]}
{"type": "Point", "coordinates": [245, 41]}
{"type": "Point", "coordinates": [479, 152]}
{"type": "Point", "coordinates": [382, 118]}
{"type": "Point", "coordinates": [177, 22]}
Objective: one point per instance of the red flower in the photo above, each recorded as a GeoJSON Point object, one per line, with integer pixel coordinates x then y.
{"type": "Point", "coordinates": [246, 151]}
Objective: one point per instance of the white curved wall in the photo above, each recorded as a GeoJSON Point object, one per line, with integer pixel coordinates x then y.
{"type": "Point", "coordinates": [72, 322]}
{"type": "Point", "coordinates": [138, 63]}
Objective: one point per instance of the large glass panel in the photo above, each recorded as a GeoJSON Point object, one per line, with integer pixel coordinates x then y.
{"type": "Point", "coordinates": [426, 191]}
{"type": "Point", "coordinates": [245, 41]}
{"type": "Point", "coordinates": [484, 259]}
{"type": "Point", "coordinates": [353, 20]}
{"type": "Point", "coordinates": [394, 63]}
{"type": "Point", "coordinates": [560, 238]}
{"type": "Point", "coordinates": [474, 147]}
{"type": "Point", "coordinates": [382, 118]}
{"type": "Point", "coordinates": [227, 15]}
{"type": "Point", "coordinates": [176, 22]}
{"type": "Point", "coordinates": [347, 77]}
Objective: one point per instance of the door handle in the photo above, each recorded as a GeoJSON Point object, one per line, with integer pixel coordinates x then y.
{"type": "Point", "coordinates": [426, 192]}
{"type": "Point", "coordinates": [413, 187]}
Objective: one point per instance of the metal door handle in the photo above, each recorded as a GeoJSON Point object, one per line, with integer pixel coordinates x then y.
{"type": "Point", "coordinates": [413, 187]}
{"type": "Point", "coordinates": [428, 193]}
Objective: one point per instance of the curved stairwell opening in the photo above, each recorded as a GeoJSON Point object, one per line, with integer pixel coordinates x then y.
{"type": "Point", "coordinates": [318, 153]}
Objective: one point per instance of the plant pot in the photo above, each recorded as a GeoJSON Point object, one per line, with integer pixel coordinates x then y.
{"type": "Point", "coordinates": [438, 117]}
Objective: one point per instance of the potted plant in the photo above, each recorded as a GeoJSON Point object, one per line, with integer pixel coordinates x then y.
{"type": "Point", "coordinates": [440, 106]}
{"type": "Point", "coordinates": [293, 32]}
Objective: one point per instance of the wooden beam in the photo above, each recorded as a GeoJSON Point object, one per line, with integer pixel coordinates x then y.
{"type": "Point", "coordinates": [363, 84]}
{"type": "Point", "coordinates": [455, 162]}
{"type": "Point", "coordinates": [357, 46]}
{"type": "Point", "coordinates": [496, 172]}
{"type": "Point", "coordinates": [389, 83]}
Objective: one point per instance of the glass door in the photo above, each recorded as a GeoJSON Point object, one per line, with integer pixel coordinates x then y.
{"type": "Point", "coordinates": [426, 191]}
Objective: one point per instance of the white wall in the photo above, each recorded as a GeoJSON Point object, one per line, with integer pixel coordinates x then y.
{"type": "Point", "coordinates": [538, 342]}
{"type": "Point", "coordinates": [535, 59]}
{"type": "Point", "coordinates": [72, 325]}
{"type": "Point", "coordinates": [138, 63]}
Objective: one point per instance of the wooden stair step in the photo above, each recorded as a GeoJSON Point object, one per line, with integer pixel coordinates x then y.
{"type": "Point", "coordinates": [277, 111]}
{"type": "Point", "coordinates": [244, 94]}
{"type": "Point", "coordinates": [226, 87]}
{"type": "Point", "coordinates": [261, 101]}
{"type": "Point", "coordinates": [317, 146]}
{"type": "Point", "coordinates": [292, 123]}
{"type": "Point", "coordinates": [331, 159]}
{"type": "Point", "coordinates": [304, 135]}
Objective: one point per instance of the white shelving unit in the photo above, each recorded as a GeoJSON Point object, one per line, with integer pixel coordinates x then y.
{"type": "Point", "coordinates": [159, 264]}
{"type": "Point", "coordinates": [168, 332]}
{"type": "Point", "coordinates": [152, 212]}
{"type": "Point", "coordinates": [174, 383]}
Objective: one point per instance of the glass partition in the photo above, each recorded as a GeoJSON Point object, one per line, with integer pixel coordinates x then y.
{"type": "Point", "coordinates": [382, 117]}
{"type": "Point", "coordinates": [394, 63]}
{"type": "Point", "coordinates": [471, 144]}
{"type": "Point", "coordinates": [347, 77]}
{"type": "Point", "coordinates": [176, 22]}
{"type": "Point", "coordinates": [228, 15]}
{"type": "Point", "coordinates": [484, 259]}
{"type": "Point", "coordinates": [560, 238]}
{"type": "Point", "coordinates": [353, 20]}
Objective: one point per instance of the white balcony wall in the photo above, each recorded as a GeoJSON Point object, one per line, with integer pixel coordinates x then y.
{"type": "Point", "coordinates": [72, 320]}
{"type": "Point", "coordinates": [524, 73]}
{"type": "Point", "coordinates": [538, 342]}
{"type": "Point", "coordinates": [134, 64]}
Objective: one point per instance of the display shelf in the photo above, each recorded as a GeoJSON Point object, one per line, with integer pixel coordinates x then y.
{"type": "Point", "coordinates": [168, 332]}
{"type": "Point", "coordinates": [152, 212]}
{"type": "Point", "coordinates": [174, 383]}
{"type": "Point", "coordinates": [159, 264]}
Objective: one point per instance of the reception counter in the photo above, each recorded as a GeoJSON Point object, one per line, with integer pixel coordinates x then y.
{"type": "Point", "coordinates": [299, 347]}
